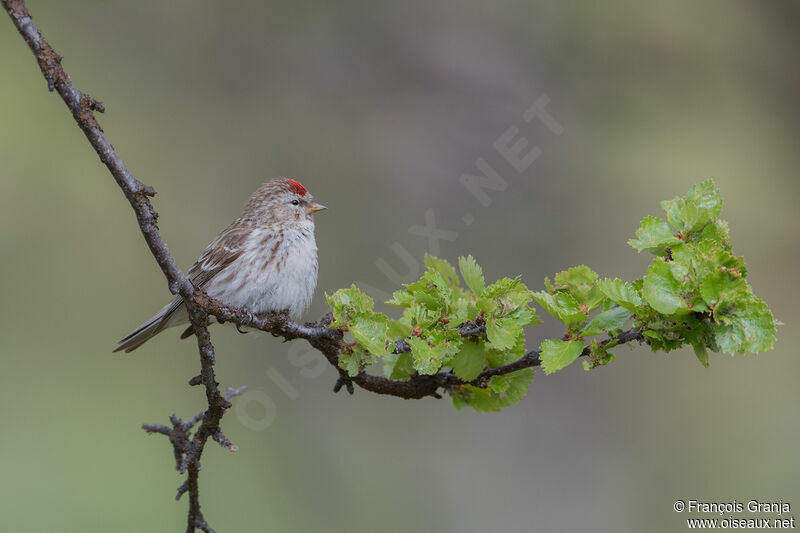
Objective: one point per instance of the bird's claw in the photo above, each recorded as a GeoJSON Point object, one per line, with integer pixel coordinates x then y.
{"type": "Point", "coordinates": [346, 382]}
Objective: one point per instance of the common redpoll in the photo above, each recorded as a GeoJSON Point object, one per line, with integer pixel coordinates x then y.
{"type": "Point", "coordinates": [266, 260]}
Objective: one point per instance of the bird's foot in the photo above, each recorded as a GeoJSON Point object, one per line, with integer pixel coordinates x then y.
{"type": "Point", "coordinates": [344, 381]}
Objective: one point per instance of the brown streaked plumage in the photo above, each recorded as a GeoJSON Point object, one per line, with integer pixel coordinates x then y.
{"type": "Point", "coordinates": [266, 260]}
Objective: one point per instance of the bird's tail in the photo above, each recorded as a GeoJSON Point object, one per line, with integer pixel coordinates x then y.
{"type": "Point", "coordinates": [164, 319]}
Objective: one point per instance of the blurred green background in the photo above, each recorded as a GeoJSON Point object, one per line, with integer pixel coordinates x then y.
{"type": "Point", "coordinates": [378, 109]}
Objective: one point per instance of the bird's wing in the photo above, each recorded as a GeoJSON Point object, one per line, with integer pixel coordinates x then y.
{"type": "Point", "coordinates": [223, 251]}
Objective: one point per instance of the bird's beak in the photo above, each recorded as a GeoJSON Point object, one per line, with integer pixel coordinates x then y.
{"type": "Point", "coordinates": [314, 207]}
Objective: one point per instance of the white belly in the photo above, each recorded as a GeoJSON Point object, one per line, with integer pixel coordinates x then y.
{"type": "Point", "coordinates": [256, 283]}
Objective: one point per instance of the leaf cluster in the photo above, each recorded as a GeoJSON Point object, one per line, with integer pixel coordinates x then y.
{"type": "Point", "coordinates": [696, 290]}
{"type": "Point", "coordinates": [460, 328]}
{"type": "Point", "coordinates": [694, 293]}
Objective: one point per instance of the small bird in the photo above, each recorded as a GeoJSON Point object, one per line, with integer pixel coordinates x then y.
{"type": "Point", "coordinates": [266, 260]}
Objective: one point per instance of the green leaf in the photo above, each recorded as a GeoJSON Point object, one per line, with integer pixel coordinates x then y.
{"type": "Point", "coordinates": [398, 366]}
{"type": "Point", "coordinates": [425, 360]}
{"type": "Point", "coordinates": [581, 283]}
{"type": "Point", "coordinates": [621, 293]}
{"type": "Point", "coordinates": [654, 235]}
{"type": "Point", "coordinates": [661, 339]}
{"type": "Point", "coordinates": [399, 329]}
{"type": "Point", "coordinates": [703, 258]}
{"type": "Point", "coordinates": [401, 299]}
{"type": "Point", "coordinates": [352, 309]}
{"type": "Point", "coordinates": [347, 304]}
{"type": "Point", "coordinates": [701, 353]}
{"type": "Point", "coordinates": [557, 354]}
{"type": "Point", "coordinates": [548, 285]}
{"type": "Point", "coordinates": [717, 232]}
{"type": "Point", "coordinates": [576, 277]}
{"type": "Point", "coordinates": [509, 294]}
{"type": "Point", "coordinates": [503, 391]}
{"type": "Point", "coordinates": [610, 320]}
{"type": "Point", "coordinates": [433, 292]}
{"type": "Point", "coordinates": [371, 332]}
{"type": "Point", "coordinates": [561, 305]}
{"type": "Point", "coordinates": [441, 288]}
{"type": "Point", "coordinates": [503, 333]}
{"type": "Point", "coordinates": [722, 286]}
{"type": "Point", "coordinates": [747, 328]}
{"type": "Point", "coordinates": [705, 195]}
{"type": "Point", "coordinates": [353, 361]}
{"type": "Point", "coordinates": [700, 207]}
{"type": "Point", "coordinates": [495, 358]}
{"type": "Point", "coordinates": [429, 357]}
{"type": "Point", "coordinates": [472, 274]}
{"type": "Point", "coordinates": [487, 305]}
{"type": "Point", "coordinates": [598, 356]}
{"type": "Point", "coordinates": [661, 290]}
{"type": "Point", "coordinates": [350, 363]}
{"type": "Point", "coordinates": [525, 316]}
{"type": "Point", "coordinates": [469, 361]}
{"type": "Point", "coordinates": [444, 268]}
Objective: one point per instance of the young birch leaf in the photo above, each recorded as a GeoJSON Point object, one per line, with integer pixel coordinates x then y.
{"type": "Point", "coordinates": [580, 281]}
{"type": "Point", "coordinates": [701, 353]}
{"type": "Point", "coordinates": [503, 391]}
{"type": "Point", "coordinates": [621, 293]}
{"type": "Point", "coordinates": [558, 354]}
{"type": "Point", "coordinates": [472, 274]}
{"type": "Point", "coordinates": [398, 366]}
{"type": "Point", "coordinates": [610, 320]}
{"type": "Point", "coordinates": [400, 328]}
{"type": "Point", "coordinates": [748, 329]}
{"type": "Point", "coordinates": [576, 277]}
{"type": "Point", "coordinates": [654, 235]}
{"type": "Point", "coordinates": [434, 290]}
{"type": "Point", "coordinates": [350, 363]}
{"type": "Point", "coordinates": [444, 268]}
{"type": "Point", "coordinates": [693, 212]}
{"type": "Point", "coordinates": [347, 304]}
{"type": "Point", "coordinates": [354, 360]}
{"type": "Point", "coordinates": [721, 286]}
{"type": "Point", "coordinates": [598, 356]}
{"type": "Point", "coordinates": [469, 361]}
{"type": "Point", "coordinates": [429, 358]}
{"type": "Point", "coordinates": [401, 299]}
{"type": "Point", "coordinates": [661, 290]}
{"type": "Point", "coordinates": [371, 332]}
{"type": "Point", "coordinates": [425, 360]}
{"type": "Point", "coordinates": [503, 333]}
{"type": "Point", "coordinates": [707, 196]}
{"type": "Point", "coordinates": [562, 306]}
{"type": "Point", "coordinates": [517, 386]}
{"type": "Point", "coordinates": [717, 232]}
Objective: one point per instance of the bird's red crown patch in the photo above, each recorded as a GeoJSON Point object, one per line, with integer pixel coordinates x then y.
{"type": "Point", "coordinates": [297, 187]}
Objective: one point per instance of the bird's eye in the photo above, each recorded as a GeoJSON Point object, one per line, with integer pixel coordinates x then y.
{"type": "Point", "coordinates": [295, 202]}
